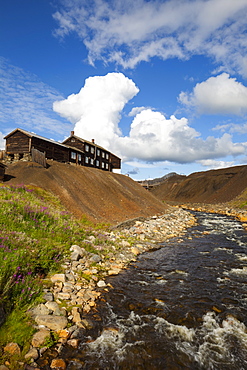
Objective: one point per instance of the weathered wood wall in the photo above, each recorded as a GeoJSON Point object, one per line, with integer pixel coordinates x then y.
{"type": "Point", "coordinates": [38, 157]}
{"type": "Point", "coordinates": [18, 143]}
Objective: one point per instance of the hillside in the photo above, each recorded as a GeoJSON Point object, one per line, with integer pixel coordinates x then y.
{"type": "Point", "coordinates": [101, 196]}
{"type": "Point", "coordinates": [214, 186]}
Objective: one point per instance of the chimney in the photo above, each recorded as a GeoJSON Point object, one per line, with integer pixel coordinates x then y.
{"type": "Point", "coordinates": [72, 133]}
{"type": "Point", "coordinates": [93, 141]}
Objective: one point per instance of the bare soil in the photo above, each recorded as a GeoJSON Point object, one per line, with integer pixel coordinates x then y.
{"type": "Point", "coordinates": [101, 196]}
{"type": "Point", "coordinates": [211, 187]}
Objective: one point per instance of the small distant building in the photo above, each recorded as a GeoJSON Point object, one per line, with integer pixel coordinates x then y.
{"type": "Point", "coordinates": [25, 145]}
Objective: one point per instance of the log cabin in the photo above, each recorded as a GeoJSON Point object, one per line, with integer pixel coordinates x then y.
{"type": "Point", "coordinates": [20, 144]}
{"type": "Point", "coordinates": [94, 155]}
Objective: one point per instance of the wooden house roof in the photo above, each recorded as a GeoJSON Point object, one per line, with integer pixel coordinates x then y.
{"type": "Point", "coordinates": [90, 143]}
{"type": "Point", "coordinates": [31, 134]}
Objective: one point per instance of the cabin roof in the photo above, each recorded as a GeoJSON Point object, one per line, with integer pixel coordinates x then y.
{"type": "Point", "coordinates": [32, 134]}
{"type": "Point", "coordinates": [90, 143]}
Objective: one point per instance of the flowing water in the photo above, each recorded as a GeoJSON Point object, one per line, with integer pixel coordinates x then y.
{"type": "Point", "coordinates": [182, 306]}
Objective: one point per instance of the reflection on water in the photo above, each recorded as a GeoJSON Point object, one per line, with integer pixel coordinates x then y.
{"type": "Point", "coordinates": [180, 307]}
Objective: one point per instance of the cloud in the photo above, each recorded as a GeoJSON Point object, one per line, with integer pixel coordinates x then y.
{"type": "Point", "coordinates": [96, 113]}
{"type": "Point", "coordinates": [212, 164]}
{"type": "Point", "coordinates": [232, 128]}
{"type": "Point", "coordinates": [217, 95]}
{"type": "Point", "coordinates": [136, 110]}
{"type": "Point", "coordinates": [26, 102]}
{"type": "Point", "coordinates": [134, 171]}
{"type": "Point", "coordinates": [2, 141]}
{"type": "Point", "coordinates": [127, 32]}
{"type": "Point", "coordinates": [152, 137]}
{"type": "Point", "coordinates": [96, 109]}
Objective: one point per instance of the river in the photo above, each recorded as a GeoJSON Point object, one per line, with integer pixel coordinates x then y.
{"type": "Point", "coordinates": [182, 306]}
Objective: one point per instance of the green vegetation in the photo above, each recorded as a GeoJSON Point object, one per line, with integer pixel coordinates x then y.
{"type": "Point", "coordinates": [239, 201]}
{"type": "Point", "coordinates": [35, 236]}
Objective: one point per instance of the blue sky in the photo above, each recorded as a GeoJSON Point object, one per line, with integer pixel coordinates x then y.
{"type": "Point", "coordinates": [162, 84]}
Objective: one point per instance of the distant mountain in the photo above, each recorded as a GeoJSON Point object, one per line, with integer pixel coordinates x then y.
{"type": "Point", "coordinates": [214, 186]}
{"type": "Point", "coordinates": [158, 180]}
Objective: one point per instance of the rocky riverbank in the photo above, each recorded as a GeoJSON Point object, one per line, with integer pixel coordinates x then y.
{"type": "Point", "coordinates": [228, 210]}
{"type": "Point", "coordinates": [70, 295]}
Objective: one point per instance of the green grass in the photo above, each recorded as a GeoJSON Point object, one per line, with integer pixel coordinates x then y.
{"type": "Point", "coordinates": [240, 201]}
{"type": "Point", "coordinates": [35, 236]}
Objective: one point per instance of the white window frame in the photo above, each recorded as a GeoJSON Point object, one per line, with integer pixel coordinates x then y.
{"type": "Point", "coordinates": [98, 152]}
{"type": "Point", "coordinates": [86, 147]}
{"type": "Point", "coordinates": [103, 154]}
{"type": "Point", "coordinates": [106, 166]}
{"type": "Point", "coordinates": [86, 159]}
{"type": "Point", "coordinates": [79, 157]}
{"type": "Point", "coordinates": [103, 165]}
{"type": "Point", "coordinates": [73, 155]}
{"type": "Point", "coordinates": [92, 149]}
{"type": "Point", "coordinates": [91, 161]}
{"type": "Point", "coordinates": [107, 156]}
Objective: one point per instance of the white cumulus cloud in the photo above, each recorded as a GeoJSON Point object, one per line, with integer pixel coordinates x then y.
{"type": "Point", "coordinates": [96, 109]}
{"type": "Point", "coordinates": [96, 113]}
{"type": "Point", "coordinates": [217, 95]}
{"type": "Point", "coordinates": [127, 32]}
{"type": "Point", "coordinates": [213, 164]}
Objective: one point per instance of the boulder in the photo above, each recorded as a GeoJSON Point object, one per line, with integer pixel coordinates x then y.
{"type": "Point", "coordinates": [52, 322]}
{"type": "Point", "coordinates": [39, 337]}
{"type": "Point", "coordinates": [12, 348]}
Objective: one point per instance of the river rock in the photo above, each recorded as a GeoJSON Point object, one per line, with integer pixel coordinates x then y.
{"type": "Point", "coordinates": [76, 314]}
{"type": "Point", "coordinates": [41, 309]}
{"type": "Point", "coordinates": [58, 364]}
{"type": "Point", "coordinates": [73, 343]}
{"type": "Point", "coordinates": [101, 284]}
{"type": "Point", "coordinates": [52, 322]}
{"type": "Point", "coordinates": [58, 277]}
{"type": "Point", "coordinates": [135, 251]}
{"type": "Point", "coordinates": [12, 348]}
{"type": "Point", "coordinates": [32, 353]}
{"type": "Point", "coordinates": [95, 258]}
{"type": "Point", "coordinates": [40, 337]}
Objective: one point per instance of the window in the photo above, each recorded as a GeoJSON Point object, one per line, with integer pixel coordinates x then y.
{"type": "Point", "coordinates": [86, 159]}
{"type": "Point", "coordinates": [79, 157]}
{"type": "Point", "coordinates": [97, 163]}
{"type": "Point", "coordinates": [103, 165]}
{"type": "Point", "coordinates": [72, 140]}
{"type": "Point", "coordinates": [73, 155]}
{"type": "Point", "coordinates": [106, 166]}
{"type": "Point", "coordinates": [103, 154]}
{"type": "Point", "coordinates": [107, 156]}
{"type": "Point", "coordinates": [92, 149]}
{"type": "Point", "coordinates": [98, 152]}
{"type": "Point", "coordinates": [86, 148]}
{"type": "Point", "coordinates": [91, 161]}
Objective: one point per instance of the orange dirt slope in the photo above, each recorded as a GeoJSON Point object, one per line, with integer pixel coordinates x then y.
{"type": "Point", "coordinates": [101, 196]}
{"type": "Point", "coordinates": [214, 186]}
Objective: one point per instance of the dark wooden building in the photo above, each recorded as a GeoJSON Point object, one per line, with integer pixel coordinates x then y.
{"type": "Point", "coordinates": [2, 171]}
{"type": "Point", "coordinates": [94, 155]}
{"type": "Point", "coordinates": [21, 144]}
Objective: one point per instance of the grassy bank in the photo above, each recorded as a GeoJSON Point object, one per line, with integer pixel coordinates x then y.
{"type": "Point", "coordinates": [35, 236]}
